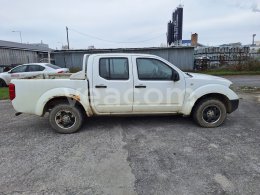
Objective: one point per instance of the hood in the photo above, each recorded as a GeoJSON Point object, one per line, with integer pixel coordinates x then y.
{"type": "Point", "coordinates": [210, 79]}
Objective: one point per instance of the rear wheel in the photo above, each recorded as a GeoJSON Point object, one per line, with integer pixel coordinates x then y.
{"type": "Point", "coordinates": [65, 118]}
{"type": "Point", "coordinates": [2, 83]}
{"type": "Point", "coordinates": [210, 113]}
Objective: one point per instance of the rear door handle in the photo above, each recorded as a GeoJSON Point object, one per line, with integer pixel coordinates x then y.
{"type": "Point", "coordinates": [140, 86]}
{"type": "Point", "coordinates": [100, 86]}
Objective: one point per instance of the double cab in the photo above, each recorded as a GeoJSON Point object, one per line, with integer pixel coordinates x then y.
{"type": "Point", "coordinates": [124, 84]}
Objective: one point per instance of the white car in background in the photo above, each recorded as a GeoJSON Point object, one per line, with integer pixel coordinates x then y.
{"type": "Point", "coordinates": [29, 70]}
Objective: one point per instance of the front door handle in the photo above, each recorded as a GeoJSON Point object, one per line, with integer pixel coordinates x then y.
{"type": "Point", "coordinates": [100, 86]}
{"type": "Point", "coordinates": [140, 86]}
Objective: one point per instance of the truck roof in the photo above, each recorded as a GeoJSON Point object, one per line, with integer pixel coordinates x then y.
{"type": "Point", "coordinates": [121, 54]}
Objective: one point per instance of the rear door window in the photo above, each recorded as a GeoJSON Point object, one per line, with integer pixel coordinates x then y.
{"type": "Point", "coordinates": [53, 66]}
{"type": "Point", "coordinates": [35, 68]}
{"type": "Point", "coordinates": [114, 68]}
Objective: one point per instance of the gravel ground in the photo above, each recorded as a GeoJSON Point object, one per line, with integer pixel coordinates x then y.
{"type": "Point", "coordinates": [132, 155]}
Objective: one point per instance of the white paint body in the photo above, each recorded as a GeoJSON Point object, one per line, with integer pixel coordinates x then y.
{"type": "Point", "coordinates": [120, 96]}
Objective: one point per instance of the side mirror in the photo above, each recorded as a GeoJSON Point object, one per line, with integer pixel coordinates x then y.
{"type": "Point", "coordinates": [175, 76]}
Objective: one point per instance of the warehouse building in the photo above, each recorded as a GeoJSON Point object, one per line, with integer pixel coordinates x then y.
{"type": "Point", "coordinates": [182, 57]}
{"type": "Point", "coordinates": [12, 53]}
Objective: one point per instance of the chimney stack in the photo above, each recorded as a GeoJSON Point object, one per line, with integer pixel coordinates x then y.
{"type": "Point", "coordinates": [194, 39]}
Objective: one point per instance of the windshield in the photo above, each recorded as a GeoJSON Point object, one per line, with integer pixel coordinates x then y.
{"type": "Point", "coordinates": [53, 66]}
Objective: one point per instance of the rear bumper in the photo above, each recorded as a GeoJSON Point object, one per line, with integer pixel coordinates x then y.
{"type": "Point", "coordinates": [233, 105]}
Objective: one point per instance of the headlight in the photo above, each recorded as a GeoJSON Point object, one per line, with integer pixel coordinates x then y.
{"type": "Point", "coordinates": [232, 86]}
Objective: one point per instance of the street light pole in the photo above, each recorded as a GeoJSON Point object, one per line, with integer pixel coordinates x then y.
{"type": "Point", "coordinates": [253, 43]}
{"type": "Point", "coordinates": [68, 42]}
{"type": "Point", "coordinates": [20, 32]}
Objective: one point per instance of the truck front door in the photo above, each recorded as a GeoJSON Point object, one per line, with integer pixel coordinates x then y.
{"type": "Point", "coordinates": [155, 90]}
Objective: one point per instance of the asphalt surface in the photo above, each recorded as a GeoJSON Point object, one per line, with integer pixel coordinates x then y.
{"type": "Point", "coordinates": [250, 81]}
{"type": "Point", "coordinates": [132, 155]}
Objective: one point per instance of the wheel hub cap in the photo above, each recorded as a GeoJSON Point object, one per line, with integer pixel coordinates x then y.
{"type": "Point", "coordinates": [211, 114]}
{"type": "Point", "coordinates": [65, 119]}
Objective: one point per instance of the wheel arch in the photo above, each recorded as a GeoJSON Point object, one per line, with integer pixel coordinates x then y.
{"type": "Point", "coordinates": [62, 99]}
{"type": "Point", "coordinates": [223, 93]}
{"type": "Point", "coordinates": [57, 95]}
{"type": "Point", "coordinates": [221, 97]}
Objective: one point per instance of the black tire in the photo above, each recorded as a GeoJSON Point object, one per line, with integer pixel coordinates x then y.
{"type": "Point", "coordinates": [2, 83]}
{"type": "Point", "coordinates": [210, 113]}
{"type": "Point", "coordinates": [65, 118]}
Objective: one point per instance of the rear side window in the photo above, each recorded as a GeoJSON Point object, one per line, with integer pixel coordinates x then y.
{"type": "Point", "coordinates": [35, 68]}
{"type": "Point", "coordinates": [114, 68]}
{"type": "Point", "coordinates": [53, 66]}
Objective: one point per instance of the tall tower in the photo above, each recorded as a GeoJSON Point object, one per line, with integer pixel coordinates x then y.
{"type": "Point", "coordinates": [174, 31]}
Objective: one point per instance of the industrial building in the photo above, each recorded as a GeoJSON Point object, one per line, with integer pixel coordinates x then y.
{"type": "Point", "coordinates": [12, 53]}
{"type": "Point", "coordinates": [213, 57]}
{"type": "Point", "coordinates": [182, 57]}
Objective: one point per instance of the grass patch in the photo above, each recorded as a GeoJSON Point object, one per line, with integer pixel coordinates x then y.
{"type": "Point", "coordinates": [222, 72]}
{"type": "Point", "coordinates": [4, 93]}
{"type": "Point", "coordinates": [250, 67]}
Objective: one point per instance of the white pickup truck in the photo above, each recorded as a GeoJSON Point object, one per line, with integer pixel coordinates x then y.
{"type": "Point", "coordinates": [124, 84]}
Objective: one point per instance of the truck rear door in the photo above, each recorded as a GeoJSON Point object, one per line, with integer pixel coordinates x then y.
{"type": "Point", "coordinates": [112, 84]}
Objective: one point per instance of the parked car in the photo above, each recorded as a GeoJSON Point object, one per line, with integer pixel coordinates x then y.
{"type": "Point", "coordinates": [125, 84]}
{"type": "Point", "coordinates": [29, 70]}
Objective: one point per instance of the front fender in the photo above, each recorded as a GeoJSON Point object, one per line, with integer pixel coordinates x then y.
{"type": "Point", "coordinates": [193, 95]}
{"type": "Point", "coordinates": [81, 97]}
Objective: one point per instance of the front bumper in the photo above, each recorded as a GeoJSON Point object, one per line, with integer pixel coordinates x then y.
{"type": "Point", "coordinates": [233, 105]}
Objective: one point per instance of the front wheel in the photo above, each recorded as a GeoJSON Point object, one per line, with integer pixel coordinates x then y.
{"type": "Point", "coordinates": [210, 113]}
{"type": "Point", "coordinates": [65, 118]}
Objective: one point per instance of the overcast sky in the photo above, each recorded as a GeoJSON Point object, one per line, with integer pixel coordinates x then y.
{"type": "Point", "coordinates": [113, 21]}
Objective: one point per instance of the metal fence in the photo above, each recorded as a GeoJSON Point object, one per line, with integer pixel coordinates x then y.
{"type": "Point", "coordinates": [11, 56]}
{"type": "Point", "coordinates": [182, 57]}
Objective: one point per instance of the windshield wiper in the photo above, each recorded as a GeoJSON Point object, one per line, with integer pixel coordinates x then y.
{"type": "Point", "coordinates": [188, 74]}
